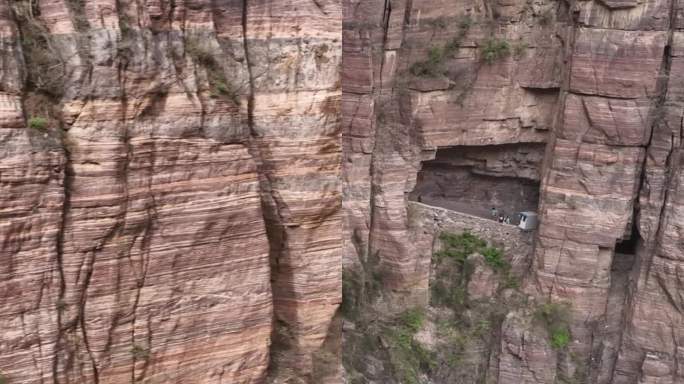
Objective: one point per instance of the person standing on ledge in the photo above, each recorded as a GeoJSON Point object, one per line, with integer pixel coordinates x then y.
{"type": "Point", "coordinates": [494, 213]}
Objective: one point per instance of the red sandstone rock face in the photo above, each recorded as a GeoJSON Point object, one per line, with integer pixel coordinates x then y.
{"type": "Point", "coordinates": [175, 217]}
{"type": "Point", "coordinates": [136, 223]}
{"type": "Point", "coordinates": [600, 82]}
{"type": "Point", "coordinates": [395, 119]}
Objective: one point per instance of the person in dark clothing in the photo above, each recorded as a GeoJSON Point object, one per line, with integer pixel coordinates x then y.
{"type": "Point", "coordinates": [501, 219]}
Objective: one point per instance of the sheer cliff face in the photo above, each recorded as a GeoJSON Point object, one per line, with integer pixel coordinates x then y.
{"type": "Point", "coordinates": [170, 196]}
{"type": "Point", "coordinates": [182, 181]}
{"type": "Point", "coordinates": [415, 82]}
{"type": "Point", "coordinates": [598, 83]}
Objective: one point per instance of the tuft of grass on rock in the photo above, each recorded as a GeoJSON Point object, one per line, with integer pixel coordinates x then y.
{"type": "Point", "coordinates": [460, 246]}
{"type": "Point", "coordinates": [407, 356]}
{"type": "Point", "coordinates": [433, 65]}
{"type": "Point", "coordinates": [38, 122]}
{"type": "Point", "coordinates": [494, 257]}
{"type": "Point", "coordinates": [494, 50]}
{"type": "Point", "coordinates": [555, 317]}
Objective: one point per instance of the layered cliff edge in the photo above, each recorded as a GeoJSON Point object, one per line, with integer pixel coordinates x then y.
{"type": "Point", "coordinates": [170, 193]}
{"type": "Point", "coordinates": [454, 104]}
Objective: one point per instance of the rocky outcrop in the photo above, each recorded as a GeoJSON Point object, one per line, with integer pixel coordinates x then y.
{"type": "Point", "coordinates": [170, 186]}
{"type": "Point", "coordinates": [397, 116]}
{"type": "Point", "coordinates": [437, 94]}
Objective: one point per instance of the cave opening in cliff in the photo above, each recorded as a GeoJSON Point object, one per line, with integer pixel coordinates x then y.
{"type": "Point", "coordinates": [628, 245]}
{"type": "Point", "coordinates": [475, 179]}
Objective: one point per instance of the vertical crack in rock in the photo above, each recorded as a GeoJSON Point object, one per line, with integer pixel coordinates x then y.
{"type": "Point", "coordinates": [248, 63]}
{"type": "Point", "coordinates": [82, 314]}
{"type": "Point", "coordinates": [661, 119]}
{"type": "Point", "coordinates": [276, 235]}
{"type": "Point", "coordinates": [386, 14]}
{"type": "Point", "coordinates": [642, 246]}
{"type": "Point", "coordinates": [61, 234]}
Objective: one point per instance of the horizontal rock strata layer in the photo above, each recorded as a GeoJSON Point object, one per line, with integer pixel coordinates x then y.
{"type": "Point", "coordinates": [170, 186]}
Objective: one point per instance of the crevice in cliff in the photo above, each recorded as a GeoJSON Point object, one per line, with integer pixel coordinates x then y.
{"type": "Point", "coordinates": [386, 14]}
{"type": "Point", "coordinates": [248, 64]}
{"type": "Point", "coordinates": [642, 247]}
{"type": "Point", "coordinates": [275, 231]}
{"type": "Point", "coordinates": [320, 7]}
{"type": "Point", "coordinates": [61, 239]}
{"type": "Point", "coordinates": [370, 266]}
{"type": "Point", "coordinates": [44, 72]}
{"type": "Point", "coordinates": [151, 215]}
{"type": "Point", "coordinates": [607, 334]}
{"type": "Point", "coordinates": [660, 123]}
{"type": "Point", "coordinates": [82, 314]}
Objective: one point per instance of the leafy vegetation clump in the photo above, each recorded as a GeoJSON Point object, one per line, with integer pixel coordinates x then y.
{"type": "Point", "coordinates": [37, 122]}
{"type": "Point", "coordinates": [221, 88]}
{"type": "Point", "coordinates": [460, 246]}
{"type": "Point", "coordinates": [432, 66]}
{"type": "Point", "coordinates": [560, 338]}
{"type": "Point", "coordinates": [494, 257]}
{"type": "Point", "coordinates": [412, 319]}
{"type": "Point", "coordinates": [494, 50]}
{"type": "Point", "coordinates": [446, 290]}
{"type": "Point", "coordinates": [470, 323]}
{"type": "Point", "coordinates": [555, 317]}
{"type": "Point", "coordinates": [408, 357]}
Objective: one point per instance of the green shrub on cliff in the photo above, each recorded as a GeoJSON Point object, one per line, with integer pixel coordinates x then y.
{"type": "Point", "coordinates": [37, 122]}
{"type": "Point", "coordinates": [494, 50]}
{"type": "Point", "coordinates": [494, 257]}
{"type": "Point", "coordinates": [408, 357]}
{"type": "Point", "coordinates": [560, 337]}
{"type": "Point", "coordinates": [452, 292]}
{"type": "Point", "coordinates": [412, 319]}
{"type": "Point", "coordinates": [555, 317]}
{"type": "Point", "coordinates": [432, 66]}
{"type": "Point", "coordinates": [460, 246]}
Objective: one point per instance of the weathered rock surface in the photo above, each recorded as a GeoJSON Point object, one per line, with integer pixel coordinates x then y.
{"type": "Point", "coordinates": [598, 83]}
{"type": "Point", "coordinates": [170, 186]}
